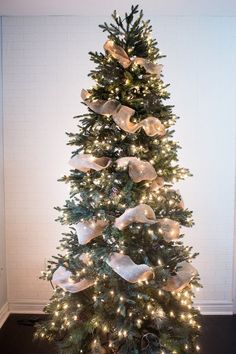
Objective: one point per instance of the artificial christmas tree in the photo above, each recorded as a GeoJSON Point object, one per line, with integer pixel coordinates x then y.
{"type": "Point", "coordinates": [124, 282]}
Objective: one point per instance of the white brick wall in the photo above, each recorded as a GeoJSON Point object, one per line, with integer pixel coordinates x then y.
{"type": "Point", "coordinates": [3, 285]}
{"type": "Point", "coordinates": [45, 66]}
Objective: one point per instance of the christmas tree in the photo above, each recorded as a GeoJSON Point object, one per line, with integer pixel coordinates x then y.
{"type": "Point", "coordinates": [123, 280]}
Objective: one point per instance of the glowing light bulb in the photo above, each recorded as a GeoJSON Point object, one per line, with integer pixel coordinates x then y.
{"type": "Point", "coordinates": [105, 329]}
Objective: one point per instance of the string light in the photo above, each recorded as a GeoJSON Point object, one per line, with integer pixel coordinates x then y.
{"type": "Point", "coordinates": [139, 322]}
{"type": "Point", "coordinates": [105, 328]}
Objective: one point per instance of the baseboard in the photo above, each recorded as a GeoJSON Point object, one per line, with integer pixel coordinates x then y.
{"type": "Point", "coordinates": [4, 313]}
{"type": "Point", "coordinates": [26, 306]}
{"type": "Point", "coordinates": [206, 307]}
{"type": "Point", "coordinates": [215, 307]}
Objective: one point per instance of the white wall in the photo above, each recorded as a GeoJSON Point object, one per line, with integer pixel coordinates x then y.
{"type": "Point", "coordinates": [45, 66]}
{"type": "Point", "coordinates": [3, 284]}
{"type": "Point", "coordinates": [103, 7]}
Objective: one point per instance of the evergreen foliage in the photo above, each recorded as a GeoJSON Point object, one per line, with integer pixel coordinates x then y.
{"type": "Point", "coordinates": [115, 316]}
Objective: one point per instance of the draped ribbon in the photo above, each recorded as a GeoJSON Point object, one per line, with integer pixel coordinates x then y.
{"type": "Point", "coordinates": [142, 213]}
{"type": "Point", "coordinates": [139, 170]}
{"type": "Point", "coordinates": [86, 162]}
{"type": "Point", "coordinates": [118, 53]}
{"type": "Point", "coordinates": [121, 264]}
{"type": "Point", "coordinates": [151, 68]}
{"type": "Point", "coordinates": [169, 229]}
{"type": "Point", "coordinates": [102, 107]}
{"type": "Point", "coordinates": [122, 115]}
{"type": "Point", "coordinates": [127, 269]}
{"type": "Point", "coordinates": [182, 278]}
{"type": "Point", "coordinates": [88, 230]}
{"type": "Point", "coordinates": [63, 278]}
{"type": "Point", "coordinates": [157, 184]}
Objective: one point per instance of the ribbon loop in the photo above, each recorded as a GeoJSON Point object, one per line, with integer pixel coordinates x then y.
{"type": "Point", "coordinates": [86, 162]}
{"type": "Point", "coordinates": [139, 170]}
{"type": "Point", "coordinates": [127, 269]}
{"type": "Point", "coordinates": [63, 278]}
{"type": "Point", "coordinates": [142, 213]}
{"type": "Point", "coordinates": [118, 53]}
{"type": "Point", "coordinates": [87, 231]}
{"type": "Point", "coordinates": [182, 278]}
{"type": "Point", "coordinates": [122, 114]}
{"type": "Point", "coordinates": [169, 229]}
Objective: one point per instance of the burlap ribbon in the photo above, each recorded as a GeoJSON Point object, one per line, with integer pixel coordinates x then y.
{"type": "Point", "coordinates": [86, 162]}
{"type": "Point", "coordinates": [169, 229]}
{"type": "Point", "coordinates": [118, 53]}
{"type": "Point", "coordinates": [139, 170]}
{"type": "Point", "coordinates": [142, 213]}
{"type": "Point", "coordinates": [121, 264]}
{"type": "Point", "coordinates": [127, 269]}
{"type": "Point", "coordinates": [63, 278]}
{"type": "Point", "coordinates": [88, 230]}
{"type": "Point", "coordinates": [182, 278]}
{"type": "Point", "coordinates": [157, 184]}
{"type": "Point", "coordinates": [122, 115]}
